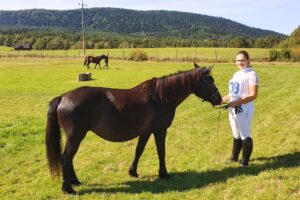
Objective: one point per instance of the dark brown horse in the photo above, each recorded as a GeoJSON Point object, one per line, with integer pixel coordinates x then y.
{"type": "Point", "coordinates": [120, 115]}
{"type": "Point", "coordinates": [97, 60]}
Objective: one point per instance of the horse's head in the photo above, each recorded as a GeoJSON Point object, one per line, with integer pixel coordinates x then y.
{"type": "Point", "coordinates": [206, 88]}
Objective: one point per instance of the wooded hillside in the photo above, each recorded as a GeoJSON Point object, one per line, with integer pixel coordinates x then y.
{"type": "Point", "coordinates": [123, 21]}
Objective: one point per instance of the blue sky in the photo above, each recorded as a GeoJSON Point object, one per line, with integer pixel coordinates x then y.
{"type": "Point", "coordinates": [282, 16]}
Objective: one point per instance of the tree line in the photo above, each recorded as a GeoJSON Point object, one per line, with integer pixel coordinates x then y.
{"type": "Point", "coordinates": [59, 40]}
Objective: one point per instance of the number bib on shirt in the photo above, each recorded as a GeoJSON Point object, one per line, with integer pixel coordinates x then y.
{"type": "Point", "coordinates": [235, 88]}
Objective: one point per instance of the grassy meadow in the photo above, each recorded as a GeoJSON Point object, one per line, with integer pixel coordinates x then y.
{"type": "Point", "coordinates": [195, 152]}
{"type": "Point", "coordinates": [154, 54]}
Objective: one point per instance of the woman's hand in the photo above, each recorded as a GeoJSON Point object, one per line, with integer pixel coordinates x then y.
{"type": "Point", "coordinates": [225, 99]}
{"type": "Point", "coordinates": [253, 94]}
{"type": "Point", "coordinates": [233, 104]}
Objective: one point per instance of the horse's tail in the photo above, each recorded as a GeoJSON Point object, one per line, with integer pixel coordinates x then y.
{"type": "Point", "coordinates": [106, 60]}
{"type": "Point", "coordinates": [53, 138]}
{"type": "Point", "coordinates": [85, 61]}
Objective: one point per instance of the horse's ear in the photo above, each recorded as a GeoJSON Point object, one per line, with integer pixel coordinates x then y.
{"type": "Point", "coordinates": [195, 64]}
{"type": "Point", "coordinates": [211, 67]}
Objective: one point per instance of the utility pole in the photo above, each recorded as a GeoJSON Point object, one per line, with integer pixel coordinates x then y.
{"type": "Point", "coordinates": [82, 27]}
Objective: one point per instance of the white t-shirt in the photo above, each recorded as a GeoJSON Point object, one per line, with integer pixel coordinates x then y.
{"type": "Point", "coordinates": [240, 82]}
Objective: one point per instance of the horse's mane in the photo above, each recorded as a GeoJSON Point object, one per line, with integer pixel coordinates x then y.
{"type": "Point", "coordinates": [166, 88]}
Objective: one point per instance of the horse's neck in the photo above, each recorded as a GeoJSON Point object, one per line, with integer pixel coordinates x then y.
{"type": "Point", "coordinates": [180, 99]}
{"type": "Point", "coordinates": [178, 91]}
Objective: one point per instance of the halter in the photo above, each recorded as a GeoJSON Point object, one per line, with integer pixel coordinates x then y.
{"type": "Point", "coordinates": [214, 93]}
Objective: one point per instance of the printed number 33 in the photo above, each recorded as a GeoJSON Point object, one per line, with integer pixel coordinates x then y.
{"type": "Point", "coordinates": [235, 87]}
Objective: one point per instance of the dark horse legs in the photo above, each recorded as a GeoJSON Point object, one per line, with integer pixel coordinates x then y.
{"type": "Point", "coordinates": [160, 140]}
{"type": "Point", "coordinates": [69, 175]}
{"type": "Point", "coordinates": [143, 139]}
{"type": "Point", "coordinates": [97, 64]}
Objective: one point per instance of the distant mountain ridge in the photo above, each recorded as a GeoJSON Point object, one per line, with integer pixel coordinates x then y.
{"type": "Point", "coordinates": [131, 22]}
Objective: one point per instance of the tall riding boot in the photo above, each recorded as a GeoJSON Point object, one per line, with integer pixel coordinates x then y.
{"type": "Point", "coordinates": [236, 149]}
{"type": "Point", "coordinates": [247, 146]}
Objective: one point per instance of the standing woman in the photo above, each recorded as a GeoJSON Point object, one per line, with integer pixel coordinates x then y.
{"type": "Point", "coordinates": [243, 89]}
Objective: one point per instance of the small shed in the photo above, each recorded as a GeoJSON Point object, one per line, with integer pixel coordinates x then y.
{"type": "Point", "coordinates": [25, 46]}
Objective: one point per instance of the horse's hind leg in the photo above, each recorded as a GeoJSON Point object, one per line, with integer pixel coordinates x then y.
{"type": "Point", "coordinates": [160, 140]}
{"type": "Point", "coordinates": [96, 66]}
{"type": "Point", "coordinates": [143, 139]}
{"type": "Point", "coordinates": [69, 176]}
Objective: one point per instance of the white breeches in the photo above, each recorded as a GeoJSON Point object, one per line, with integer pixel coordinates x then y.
{"type": "Point", "coordinates": [241, 123]}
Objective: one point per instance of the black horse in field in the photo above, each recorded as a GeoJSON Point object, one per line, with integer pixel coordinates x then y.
{"type": "Point", "coordinates": [97, 60]}
{"type": "Point", "coordinates": [119, 115]}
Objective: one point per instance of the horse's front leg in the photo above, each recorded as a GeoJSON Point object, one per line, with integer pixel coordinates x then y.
{"type": "Point", "coordinates": [143, 139]}
{"type": "Point", "coordinates": [160, 140]}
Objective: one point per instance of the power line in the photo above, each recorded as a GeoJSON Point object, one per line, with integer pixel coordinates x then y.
{"type": "Point", "coordinates": [82, 26]}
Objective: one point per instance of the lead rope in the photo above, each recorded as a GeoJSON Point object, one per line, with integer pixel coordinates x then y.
{"type": "Point", "coordinates": [219, 118]}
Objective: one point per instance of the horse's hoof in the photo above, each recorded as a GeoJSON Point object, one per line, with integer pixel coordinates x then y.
{"type": "Point", "coordinates": [67, 189]}
{"type": "Point", "coordinates": [164, 175]}
{"type": "Point", "coordinates": [76, 183]}
{"type": "Point", "coordinates": [71, 192]}
{"type": "Point", "coordinates": [133, 174]}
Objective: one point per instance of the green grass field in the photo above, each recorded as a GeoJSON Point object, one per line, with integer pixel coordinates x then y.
{"type": "Point", "coordinates": [195, 153]}
{"type": "Point", "coordinates": [154, 54]}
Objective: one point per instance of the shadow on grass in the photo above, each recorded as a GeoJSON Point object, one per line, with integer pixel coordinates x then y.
{"type": "Point", "coordinates": [182, 181]}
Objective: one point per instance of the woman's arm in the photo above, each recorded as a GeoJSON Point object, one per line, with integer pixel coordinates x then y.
{"type": "Point", "coordinates": [253, 94]}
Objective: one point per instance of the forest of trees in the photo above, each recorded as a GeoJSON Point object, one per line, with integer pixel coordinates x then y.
{"type": "Point", "coordinates": [121, 28]}
{"type": "Point", "coordinates": [63, 40]}
{"type": "Point", "coordinates": [293, 41]}
{"type": "Point", "coordinates": [289, 48]}
{"type": "Point", "coordinates": [131, 22]}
